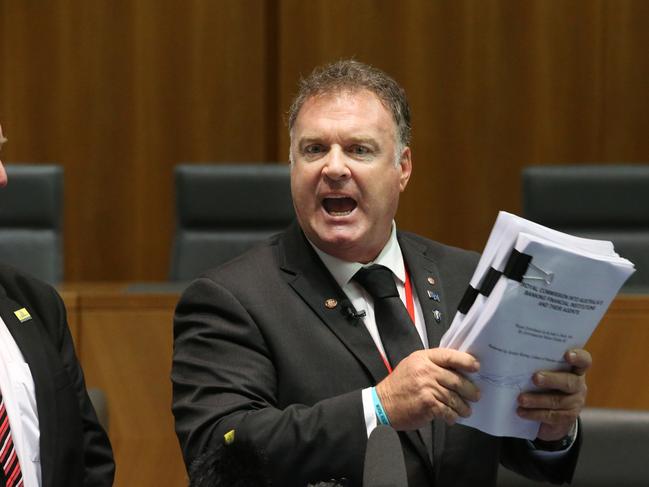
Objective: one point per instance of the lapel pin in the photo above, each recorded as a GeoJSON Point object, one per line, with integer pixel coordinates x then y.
{"type": "Point", "coordinates": [433, 295]}
{"type": "Point", "coordinates": [431, 280]}
{"type": "Point", "coordinates": [23, 315]}
{"type": "Point", "coordinates": [331, 303]}
{"type": "Point", "coordinates": [437, 315]}
{"type": "Point", "coordinates": [228, 438]}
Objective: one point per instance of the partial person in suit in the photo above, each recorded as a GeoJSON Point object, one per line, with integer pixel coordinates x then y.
{"type": "Point", "coordinates": [301, 346]}
{"type": "Point", "coordinates": [49, 432]}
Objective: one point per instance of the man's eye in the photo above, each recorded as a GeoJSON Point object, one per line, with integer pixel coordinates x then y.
{"type": "Point", "coordinates": [314, 149]}
{"type": "Point", "coordinates": [360, 150]}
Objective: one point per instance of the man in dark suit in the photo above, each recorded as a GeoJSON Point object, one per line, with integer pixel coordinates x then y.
{"type": "Point", "coordinates": [51, 436]}
{"type": "Point", "coordinates": [288, 349]}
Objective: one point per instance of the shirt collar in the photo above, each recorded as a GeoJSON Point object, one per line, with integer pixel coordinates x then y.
{"type": "Point", "coordinates": [390, 257]}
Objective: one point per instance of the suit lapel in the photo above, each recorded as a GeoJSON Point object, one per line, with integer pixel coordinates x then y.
{"type": "Point", "coordinates": [426, 280]}
{"type": "Point", "coordinates": [28, 337]}
{"type": "Point", "coordinates": [311, 280]}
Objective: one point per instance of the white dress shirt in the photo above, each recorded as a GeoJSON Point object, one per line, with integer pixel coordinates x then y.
{"type": "Point", "coordinates": [18, 391]}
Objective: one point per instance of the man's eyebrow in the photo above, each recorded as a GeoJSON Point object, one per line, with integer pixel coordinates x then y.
{"type": "Point", "coordinates": [309, 140]}
{"type": "Point", "coordinates": [363, 140]}
{"type": "Point", "coordinates": [353, 140]}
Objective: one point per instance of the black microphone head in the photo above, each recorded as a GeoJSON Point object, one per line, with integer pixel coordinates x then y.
{"type": "Point", "coordinates": [349, 312]}
{"type": "Point", "coordinates": [234, 465]}
{"type": "Point", "coordinates": [384, 463]}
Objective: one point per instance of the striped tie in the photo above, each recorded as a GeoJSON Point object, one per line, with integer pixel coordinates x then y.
{"type": "Point", "coordinates": [8, 457]}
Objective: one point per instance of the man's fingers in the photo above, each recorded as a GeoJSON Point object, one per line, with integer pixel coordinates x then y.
{"type": "Point", "coordinates": [458, 405]}
{"type": "Point", "coordinates": [429, 384]}
{"type": "Point", "coordinates": [450, 406]}
{"type": "Point", "coordinates": [452, 359]}
{"type": "Point", "coordinates": [567, 382]}
{"type": "Point", "coordinates": [464, 388]}
{"type": "Point", "coordinates": [535, 400]}
{"type": "Point", "coordinates": [579, 359]}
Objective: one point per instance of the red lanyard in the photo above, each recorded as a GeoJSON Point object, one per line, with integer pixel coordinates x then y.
{"type": "Point", "coordinates": [410, 306]}
{"type": "Point", "coordinates": [410, 303]}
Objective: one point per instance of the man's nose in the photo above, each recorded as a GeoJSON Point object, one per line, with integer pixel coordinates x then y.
{"type": "Point", "coordinates": [336, 167]}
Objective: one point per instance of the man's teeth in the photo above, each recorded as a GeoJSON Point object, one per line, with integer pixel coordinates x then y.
{"type": "Point", "coordinates": [340, 213]}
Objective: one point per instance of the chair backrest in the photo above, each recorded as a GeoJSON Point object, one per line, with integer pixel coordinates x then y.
{"type": "Point", "coordinates": [596, 201]}
{"type": "Point", "coordinates": [223, 210]}
{"type": "Point", "coordinates": [31, 209]}
{"type": "Point", "coordinates": [614, 451]}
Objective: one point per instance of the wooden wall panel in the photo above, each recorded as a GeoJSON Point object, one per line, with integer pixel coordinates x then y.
{"type": "Point", "coordinates": [619, 349]}
{"type": "Point", "coordinates": [125, 346]}
{"type": "Point", "coordinates": [493, 86]}
{"type": "Point", "coordinates": [120, 91]}
{"type": "Point", "coordinates": [626, 103]}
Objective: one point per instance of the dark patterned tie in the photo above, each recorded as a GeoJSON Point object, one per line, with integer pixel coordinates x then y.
{"type": "Point", "coordinates": [398, 333]}
{"type": "Point", "coordinates": [13, 477]}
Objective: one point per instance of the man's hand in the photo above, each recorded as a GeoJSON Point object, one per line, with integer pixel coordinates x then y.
{"type": "Point", "coordinates": [428, 384]}
{"type": "Point", "coordinates": [563, 398]}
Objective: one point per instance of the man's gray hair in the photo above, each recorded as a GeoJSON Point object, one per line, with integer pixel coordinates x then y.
{"type": "Point", "coordinates": [349, 75]}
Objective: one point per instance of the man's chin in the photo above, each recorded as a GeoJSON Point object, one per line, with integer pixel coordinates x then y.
{"type": "Point", "coordinates": [346, 246]}
{"type": "Point", "coordinates": [335, 242]}
{"type": "Point", "coordinates": [332, 242]}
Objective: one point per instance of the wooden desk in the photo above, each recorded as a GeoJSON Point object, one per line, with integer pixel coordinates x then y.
{"type": "Point", "coordinates": [620, 349]}
{"type": "Point", "coordinates": [124, 341]}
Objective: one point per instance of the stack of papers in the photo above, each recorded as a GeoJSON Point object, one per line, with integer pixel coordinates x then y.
{"type": "Point", "coordinates": [536, 293]}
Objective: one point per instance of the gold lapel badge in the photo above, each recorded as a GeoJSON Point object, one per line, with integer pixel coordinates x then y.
{"type": "Point", "coordinates": [228, 438]}
{"type": "Point", "coordinates": [331, 303]}
{"type": "Point", "coordinates": [23, 315]}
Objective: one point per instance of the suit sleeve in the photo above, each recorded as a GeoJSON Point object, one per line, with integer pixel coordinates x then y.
{"type": "Point", "coordinates": [99, 467]}
{"type": "Point", "coordinates": [224, 379]}
{"type": "Point", "coordinates": [516, 456]}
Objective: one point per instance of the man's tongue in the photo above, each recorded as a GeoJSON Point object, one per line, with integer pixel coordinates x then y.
{"type": "Point", "coordinates": [339, 206]}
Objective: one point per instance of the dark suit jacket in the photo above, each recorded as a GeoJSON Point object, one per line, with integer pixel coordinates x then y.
{"type": "Point", "coordinates": [74, 449]}
{"type": "Point", "coordinates": [256, 350]}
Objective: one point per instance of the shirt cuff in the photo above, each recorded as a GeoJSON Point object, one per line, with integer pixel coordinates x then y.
{"type": "Point", "coordinates": [368, 410]}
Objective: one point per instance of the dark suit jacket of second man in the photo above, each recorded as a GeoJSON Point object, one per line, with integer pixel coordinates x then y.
{"type": "Point", "coordinates": [74, 449]}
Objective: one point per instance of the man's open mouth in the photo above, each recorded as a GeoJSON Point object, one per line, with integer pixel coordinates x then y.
{"type": "Point", "coordinates": [339, 206]}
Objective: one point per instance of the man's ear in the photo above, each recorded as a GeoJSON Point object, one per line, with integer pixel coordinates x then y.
{"type": "Point", "coordinates": [405, 164]}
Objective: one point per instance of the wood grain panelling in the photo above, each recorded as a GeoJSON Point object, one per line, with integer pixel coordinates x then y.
{"type": "Point", "coordinates": [626, 112]}
{"type": "Point", "coordinates": [493, 86]}
{"type": "Point", "coordinates": [125, 350]}
{"type": "Point", "coordinates": [119, 91]}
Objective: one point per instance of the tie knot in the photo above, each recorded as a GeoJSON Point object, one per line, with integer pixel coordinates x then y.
{"type": "Point", "coordinates": [378, 281]}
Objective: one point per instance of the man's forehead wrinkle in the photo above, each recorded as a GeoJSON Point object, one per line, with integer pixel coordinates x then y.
{"type": "Point", "coordinates": [345, 93]}
{"type": "Point", "coordinates": [339, 92]}
{"type": "Point", "coordinates": [355, 138]}
{"type": "Point", "coordinates": [336, 117]}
